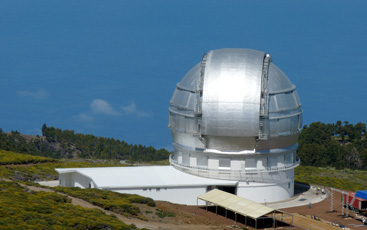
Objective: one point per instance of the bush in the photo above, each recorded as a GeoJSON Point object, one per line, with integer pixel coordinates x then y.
{"type": "Point", "coordinates": [162, 214]}
{"type": "Point", "coordinates": [22, 209]}
{"type": "Point", "coordinates": [7, 158]}
{"type": "Point", "coordinates": [44, 171]}
{"type": "Point", "coordinates": [352, 180]}
{"type": "Point", "coordinates": [117, 202]}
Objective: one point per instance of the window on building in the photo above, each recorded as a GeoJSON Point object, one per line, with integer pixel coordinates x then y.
{"type": "Point", "coordinates": [251, 163]}
{"type": "Point", "coordinates": [224, 163]}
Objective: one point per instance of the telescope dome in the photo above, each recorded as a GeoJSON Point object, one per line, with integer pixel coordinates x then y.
{"type": "Point", "coordinates": [235, 112]}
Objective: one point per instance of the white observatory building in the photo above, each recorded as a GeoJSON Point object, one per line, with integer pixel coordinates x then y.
{"type": "Point", "coordinates": [235, 119]}
{"type": "Point", "coordinates": [236, 116]}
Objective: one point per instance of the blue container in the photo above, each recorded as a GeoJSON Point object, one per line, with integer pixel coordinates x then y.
{"type": "Point", "coordinates": [362, 194]}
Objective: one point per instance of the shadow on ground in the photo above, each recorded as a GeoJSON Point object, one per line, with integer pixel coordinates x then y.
{"type": "Point", "coordinates": [260, 223]}
{"type": "Point", "coordinates": [301, 188]}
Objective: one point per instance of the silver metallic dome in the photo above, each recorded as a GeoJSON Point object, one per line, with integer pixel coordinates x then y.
{"type": "Point", "coordinates": [235, 112]}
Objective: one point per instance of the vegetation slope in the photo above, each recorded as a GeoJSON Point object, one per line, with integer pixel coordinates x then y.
{"type": "Point", "coordinates": [339, 145]}
{"type": "Point", "coordinates": [57, 143]}
{"type": "Point", "coordinates": [21, 208]}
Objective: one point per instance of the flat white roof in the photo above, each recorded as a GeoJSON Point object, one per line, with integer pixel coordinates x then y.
{"type": "Point", "coordinates": [236, 204]}
{"type": "Point", "coordinates": [143, 177]}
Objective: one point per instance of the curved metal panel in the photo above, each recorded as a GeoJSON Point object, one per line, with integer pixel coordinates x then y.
{"type": "Point", "coordinates": [286, 101]}
{"type": "Point", "coordinates": [189, 81]}
{"type": "Point", "coordinates": [231, 92]}
{"type": "Point", "coordinates": [181, 99]}
{"type": "Point", "coordinates": [278, 81]}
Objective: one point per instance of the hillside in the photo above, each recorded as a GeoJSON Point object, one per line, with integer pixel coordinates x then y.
{"type": "Point", "coordinates": [57, 143]}
{"type": "Point", "coordinates": [339, 145]}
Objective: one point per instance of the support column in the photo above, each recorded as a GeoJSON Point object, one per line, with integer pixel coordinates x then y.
{"type": "Point", "coordinates": [331, 200]}
{"type": "Point", "coordinates": [347, 206]}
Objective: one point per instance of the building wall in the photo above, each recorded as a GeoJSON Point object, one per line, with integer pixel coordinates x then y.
{"type": "Point", "coordinates": [279, 187]}
{"type": "Point", "coordinates": [65, 179]}
{"type": "Point", "coordinates": [81, 181]}
{"type": "Point", "coordinates": [265, 192]}
{"type": "Point", "coordinates": [259, 192]}
{"type": "Point", "coordinates": [74, 179]}
{"type": "Point", "coordinates": [178, 195]}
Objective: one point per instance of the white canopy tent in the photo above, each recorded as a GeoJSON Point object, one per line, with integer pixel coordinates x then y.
{"type": "Point", "coordinates": [239, 205]}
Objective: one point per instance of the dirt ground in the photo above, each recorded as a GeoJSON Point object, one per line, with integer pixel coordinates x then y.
{"type": "Point", "coordinates": [322, 212]}
{"type": "Point", "coordinates": [303, 216]}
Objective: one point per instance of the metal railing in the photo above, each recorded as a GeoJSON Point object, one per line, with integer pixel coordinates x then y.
{"type": "Point", "coordinates": [248, 170]}
{"type": "Point", "coordinates": [246, 175]}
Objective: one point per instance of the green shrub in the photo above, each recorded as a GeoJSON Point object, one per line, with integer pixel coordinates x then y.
{"type": "Point", "coordinates": [162, 214]}
{"type": "Point", "coordinates": [8, 157]}
{"type": "Point", "coordinates": [117, 202]}
{"type": "Point", "coordinates": [24, 209]}
{"type": "Point", "coordinates": [45, 171]}
{"type": "Point", "coordinates": [352, 180]}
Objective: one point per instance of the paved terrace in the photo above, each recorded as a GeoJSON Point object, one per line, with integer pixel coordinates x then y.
{"type": "Point", "coordinates": [306, 194]}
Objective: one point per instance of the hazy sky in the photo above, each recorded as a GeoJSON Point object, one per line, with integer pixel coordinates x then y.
{"type": "Point", "coordinates": [109, 68]}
